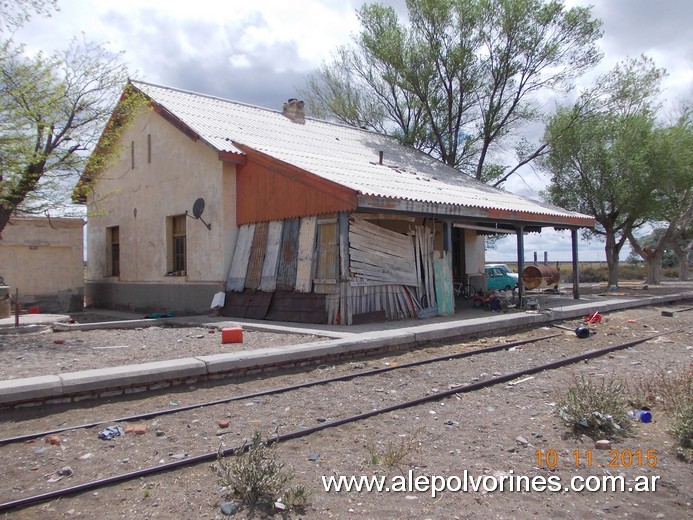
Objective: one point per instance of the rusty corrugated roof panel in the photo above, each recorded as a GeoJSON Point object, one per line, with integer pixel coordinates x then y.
{"type": "Point", "coordinates": [344, 155]}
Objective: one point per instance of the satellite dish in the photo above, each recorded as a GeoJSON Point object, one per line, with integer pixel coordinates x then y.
{"type": "Point", "coordinates": [198, 208]}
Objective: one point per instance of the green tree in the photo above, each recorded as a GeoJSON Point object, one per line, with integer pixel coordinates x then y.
{"type": "Point", "coordinates": [458, 76]}
{"type": "Point", "coordinates": [672, 197]}
{"type": "Point", "coordinates": [650, 241]}
{"type": "Point", "coordinates": [16, 13]}
{"type": "Point", "coordinates": [52, 111]}
{"type": "Point", "coordinates": [604, 158]}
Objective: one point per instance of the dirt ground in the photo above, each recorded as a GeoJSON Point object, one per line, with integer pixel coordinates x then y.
{"type": "Point", "coordinates": [504, 430]}
{"type": "Point", "coordinates": [50, 353]}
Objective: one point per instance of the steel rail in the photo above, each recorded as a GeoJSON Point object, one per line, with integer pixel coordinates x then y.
{"type": "Point", "coordinates": [207, 457]}
{"type": "Point", "coordinates": [275, 391]}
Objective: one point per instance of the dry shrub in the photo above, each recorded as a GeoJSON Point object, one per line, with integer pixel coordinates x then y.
{"type": "Point", "coordinates": [597, 409]}
{"type": "Point", "coordinates": [257, 479]}
{"type": "Point", "coordinates": [672, 390]}
{"type": "Point", "coordinates": [393, 454]}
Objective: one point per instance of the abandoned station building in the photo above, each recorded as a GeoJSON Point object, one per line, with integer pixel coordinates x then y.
{"type": "Point", "coordinates": [295, 219]}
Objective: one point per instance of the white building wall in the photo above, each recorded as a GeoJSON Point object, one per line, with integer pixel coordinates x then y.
{"type": "Point", "coordinates": [43, 259]}
{"type": "Point", "coordinates": [138, 200]}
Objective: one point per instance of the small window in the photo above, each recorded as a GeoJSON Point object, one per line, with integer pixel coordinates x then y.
{"type": "Point", "coordinates": [114, 250]}
{"type": "Point", "coordinates": [178, 261]}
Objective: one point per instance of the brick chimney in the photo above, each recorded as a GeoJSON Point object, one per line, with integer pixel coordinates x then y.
{"type": "Point", "coordinates": [293, 109]}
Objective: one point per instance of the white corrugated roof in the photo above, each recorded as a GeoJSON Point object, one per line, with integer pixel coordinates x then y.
{"type": "Point", "coordinates": [341, 154]}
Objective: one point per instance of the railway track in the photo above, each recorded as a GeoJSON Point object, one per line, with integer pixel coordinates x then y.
{"type": "Point", "coordinates": [272, 409]}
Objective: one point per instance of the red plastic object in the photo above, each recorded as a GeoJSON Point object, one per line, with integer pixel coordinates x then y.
{"type": "Point", "coordinates": [232, 335]}
{"type": "Point", "coordinates": [34, 310]}
{"type": "Point", "coordinates": [594, 318]}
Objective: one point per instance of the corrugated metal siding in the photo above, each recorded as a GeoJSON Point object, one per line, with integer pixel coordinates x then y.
{"type": "Point", "coordinates": [269, 269]}
{"type": "Point", "coordinates": [241, 256]}
{"type": "Point", "coordinates": [288, 255]}
{"type": "Point", "coordinates": [306, 254]}
{"type": "Point", "coordinates": [380, 256]}
{"type": "Point", "coordinates": [257, 257]}
{"type": "Point", "coordinates": [327, 268]}
{"type": "Point", "coordinates": [270, 190]}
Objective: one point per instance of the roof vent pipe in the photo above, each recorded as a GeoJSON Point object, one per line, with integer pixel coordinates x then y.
{"type": "Point", "coordinates": [380, 153]}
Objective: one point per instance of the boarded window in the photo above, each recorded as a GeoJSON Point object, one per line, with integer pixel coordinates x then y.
{"type": "Point", "coordinates": [327, 265]}
{"type": "Point", "coordinates": [114, 250]}
{"type": "Point", "coordinates": [177, 247]}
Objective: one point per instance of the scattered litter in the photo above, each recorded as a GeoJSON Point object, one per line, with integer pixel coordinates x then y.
{"type": "Point", "coordinates": [218, 300]}
{"type": "Point", "coordinates": [668, 314]}
{"type": "Point", "coordinates": [583, 332]}
{"type": "Point", "coordinates": [603, 444]}
{"type": "Point", "coordinates": [230, 508]}
{"type": "Point", "coordinates": [232, 335]}
{"type": "Point", "coordinates": [110, 433]}
{"type": "Point", "coordinates": [522, 441]}
{"type": "Point", "coordinates": [160, 315]}
{"type": "Point", "coordinates": [593, 318]}
{"type": "Point", "coordinates": [137, 429]}
{"type": "Point", "coordinates": [643, 415]}
{"type": "Point", "coordinates": [54, 440]}
{"type": "Point", "coordinates": [223, 423]}
{"type": "Point", "coordinates": [513, 383]}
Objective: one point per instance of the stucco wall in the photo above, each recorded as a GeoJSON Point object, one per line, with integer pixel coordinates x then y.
{"type": "Point", "coordinates": [474, 258]}
{"type": "Point", "coordinates": [43, 259]}
{"type": "Point", "coordinates": [138, 200]}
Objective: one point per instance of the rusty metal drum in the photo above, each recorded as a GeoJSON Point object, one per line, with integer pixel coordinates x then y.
{"type": "Point", "coordinates": [540, 276]}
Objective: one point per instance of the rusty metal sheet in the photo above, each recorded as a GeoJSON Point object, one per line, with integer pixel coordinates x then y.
{"type": "Point", "coordinates": [239, 265]}
{"type": "Point", "coordinates": [248, 304]}
{"type": "Point", "coordinates": [253, 277]}
{"type": "Point", "coordinates": [327, 267]}
{"type": "Point", "coordinates": [268, 283]}
{"type": "Point", "coordinates": [297, 307]}
{"type": "Point", "coordinates": [306, 254]}
{"type": "Point", "coordinates": [288, 255]}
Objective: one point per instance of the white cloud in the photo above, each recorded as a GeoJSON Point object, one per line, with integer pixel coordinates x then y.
{"type": "Point", "coordinates": [258, 51]}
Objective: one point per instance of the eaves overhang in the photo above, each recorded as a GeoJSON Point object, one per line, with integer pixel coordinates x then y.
{"type": "Point", "coordinates": [444, 210]}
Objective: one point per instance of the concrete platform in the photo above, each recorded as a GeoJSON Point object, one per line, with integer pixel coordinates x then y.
{"type": "Point", "coordinates": [340, 343]}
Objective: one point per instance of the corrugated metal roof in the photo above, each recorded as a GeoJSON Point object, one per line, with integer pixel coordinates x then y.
{"type": "Point", "coordinates": [341, 154]}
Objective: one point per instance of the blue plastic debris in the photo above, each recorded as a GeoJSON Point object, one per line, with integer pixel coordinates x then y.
{"type": "Point", "coordinates": [111, 432]}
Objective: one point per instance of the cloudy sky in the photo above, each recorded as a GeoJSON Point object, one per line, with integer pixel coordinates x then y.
{"type": "Point", "coordinates": [259, 52]}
